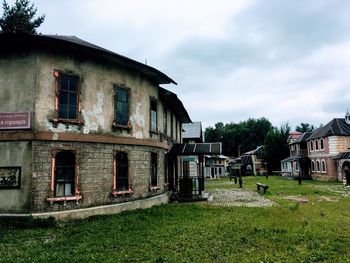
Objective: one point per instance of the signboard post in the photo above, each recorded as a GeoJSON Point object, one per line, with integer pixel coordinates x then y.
{"type": "Point", "coordinates": [15, 120]}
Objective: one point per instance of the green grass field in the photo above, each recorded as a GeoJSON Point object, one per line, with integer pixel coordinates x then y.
{"type": "Point", "coordinates": [310, 223]}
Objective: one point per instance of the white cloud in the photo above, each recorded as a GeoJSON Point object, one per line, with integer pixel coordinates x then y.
{"type": "Point", "coordinates": [284, 60]}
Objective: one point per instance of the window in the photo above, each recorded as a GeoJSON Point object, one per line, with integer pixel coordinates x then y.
{"type": "Point", "coordinates": [64, 173]}
{"type": "Point", "coordinates": [313, 166]}
{"type": "Point", "coordinates": [316, 145]}
{"type": "Point", "coordinates": [318, 165]}
{"type": "Point", "coordinates": [172, 126]}
{"type": "Point", "coordinates": [121, 172]}
{"type": "Point", "coordinates": [311, 146]}
{"type": "Point", "coordinates": [322, 144]}
{"type": "Point", "coordinates": [67, 101]}
{"type": "Point", "coordinates": [121, 107]}
{"type": "Point", "coordinates": [154, 124]}
{"type": "Point", "coordinates": [64, 176]}
{"type": "Point", "coordinates": [165, 121]}
{"type": "Point", "coordinates": [323, 166]}
{"type": "Point", "coordinates": [176, 130]}
{"type": "Point", "coordinates": [154, 173]}
{"type": "Point", "coordinates": [296, 166]}
{"type": "Point", "coordinates": [68, 97]}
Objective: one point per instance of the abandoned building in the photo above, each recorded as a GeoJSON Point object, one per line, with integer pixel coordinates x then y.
{"type": "Point", "coordinates": [82, 127]}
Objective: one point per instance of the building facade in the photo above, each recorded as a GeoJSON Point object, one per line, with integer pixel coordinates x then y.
{"type": "Point", "coordinates": [97, 126]}
{"type": "Point", "coordinates": [323, 154]}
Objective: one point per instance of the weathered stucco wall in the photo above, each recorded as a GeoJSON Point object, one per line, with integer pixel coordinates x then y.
{"type": "Point", "coordinates": [17, 83]}
{"type": "Point", "coordinates": [17, 154]}
{"type": "Point", "coordinates": [97, 89]}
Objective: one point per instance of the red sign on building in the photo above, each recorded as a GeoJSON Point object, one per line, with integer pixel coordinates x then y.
{"type": "Point", "coordinates": [15, 120]}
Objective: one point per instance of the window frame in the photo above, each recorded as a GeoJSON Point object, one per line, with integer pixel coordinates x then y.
{"type": "Point", "coordinates": [318, 166]}
{"type": "Point", "coordinates": [116, 124]}
{"type": "Point", "coordinates": [313, 166]}
{"type": "Point", "coordinates": [76, 195]}
{"type": "Point", "coordinates": [153, 103]}
{"type": "Point", "coordinates": [321, 144]}
{"type": "Point", "coordinates": [316, 145]}
{"type": "Point", "coordinates": [154, 171]}
{"type": "Point", "coordinates": [57, 119]}
{"type": "Point", "coordinates": [165, 120]}
{"type": "Point", "coordinates": [117, 191]}
{"type": "Point", "coordinates": [323, 166]}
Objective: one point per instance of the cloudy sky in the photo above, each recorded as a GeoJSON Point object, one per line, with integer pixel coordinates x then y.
{"type": "Point", "coordinates": [288, 61]}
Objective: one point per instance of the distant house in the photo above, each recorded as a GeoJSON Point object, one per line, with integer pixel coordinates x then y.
{"type": "Point", "coordinates": [298, 162]}
{"type": "Point", "coordinates": [326, 148]}
{"type": "Point", "coordinates": [323, 154]}
{"type": "Point", "coordinates": [191, 133]}
{"type": "Point", "coordinates": [251, 163]}
{"type": "Point", "coordinates": [215, 166]}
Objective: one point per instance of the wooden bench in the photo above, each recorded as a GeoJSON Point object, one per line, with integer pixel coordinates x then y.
{"type": "Point", "coordinates": [263, 186]}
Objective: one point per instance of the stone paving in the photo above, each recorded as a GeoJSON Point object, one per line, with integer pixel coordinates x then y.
{"type": "Point", "coordinates": [237, 197]}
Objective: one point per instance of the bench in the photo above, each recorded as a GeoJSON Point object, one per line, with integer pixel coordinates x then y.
{"type": "Point", "coordinates": [263, 186]}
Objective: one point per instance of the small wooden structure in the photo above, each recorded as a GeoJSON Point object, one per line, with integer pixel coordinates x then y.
{"type": "Point", "coordinates": [191, 188]}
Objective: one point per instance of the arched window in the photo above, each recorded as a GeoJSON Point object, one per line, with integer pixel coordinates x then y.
{"type": "Point", "coordinates": [322, 144]}
{"type": "Point", "coordinates": [316, 145]}
{"type": "Point", "coordinates": [312, 166]}
{"type": "Point", "coordinates": [323, 166]}
{"type": "Point", "coordinates": [311, 146]}
{"type": "Point", "coordinates": [318, 165]}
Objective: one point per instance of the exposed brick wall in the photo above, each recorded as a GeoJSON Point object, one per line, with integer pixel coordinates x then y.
{"type": "Point", "coordinates": [95, 161]}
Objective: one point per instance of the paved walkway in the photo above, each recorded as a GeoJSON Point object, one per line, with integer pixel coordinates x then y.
{"type": "Point", "coordinates": [237, 197]}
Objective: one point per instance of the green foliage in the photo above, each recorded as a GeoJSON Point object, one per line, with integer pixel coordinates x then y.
{"type": "Point", "coordinates": [305, 127]}
{"type": "Point", "coordinates": [276, 147]}
{"type": "Point", "coordinates": [239, 138]}
{"type": "Point", "coordinates": [20, 18]}
{"type": "Point", "coordinates": [308, 232]}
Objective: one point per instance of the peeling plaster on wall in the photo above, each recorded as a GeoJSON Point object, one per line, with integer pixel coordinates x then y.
{"type": "Point", "coordinates": [138, 122]}
{"type": "Point", "coordinates": [61, 127]}
{"type": "Point", "coordinates": [94, 118]}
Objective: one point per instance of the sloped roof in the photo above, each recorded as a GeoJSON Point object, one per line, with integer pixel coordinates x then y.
{"type": "Point", "coordinates": [174, 103]}
{"type": "Point", "coordinates": [192, 130]}
{"type": "Point", "coordinates": [302, 138]}
{"type": "Point", "coordinates": [79, 47]}
{"type": "Point", "coordinates": [342, 155]}
{"type": "Point", "coordinates": [337, 126]}
{"type": "Point", "coordinates": [195, 149]}
{"type": "Point", "coordinates": [253, 151]}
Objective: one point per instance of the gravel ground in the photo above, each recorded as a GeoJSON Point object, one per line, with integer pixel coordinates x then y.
{"type": "Point", "coordinates": [237, 197]}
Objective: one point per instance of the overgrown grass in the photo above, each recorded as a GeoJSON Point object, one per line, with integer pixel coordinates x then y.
{"type": "Point", "coordinates": [313, 231]}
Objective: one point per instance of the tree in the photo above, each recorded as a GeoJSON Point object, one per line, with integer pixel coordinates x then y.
{"type": "Point", "coordinates": [276, 147]}
{"type": "Point", "coordinates": [305, 127]}
{"type": "Point", "coordinates": [239, 138]}
{"type": "Point", "coordinates": [20, 18]}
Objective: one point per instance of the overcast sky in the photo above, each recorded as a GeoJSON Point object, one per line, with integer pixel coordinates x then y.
{"type": "Point", "coordinates": [288, 61]}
